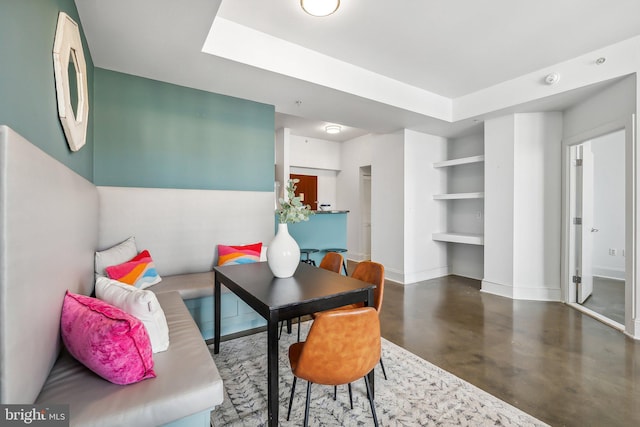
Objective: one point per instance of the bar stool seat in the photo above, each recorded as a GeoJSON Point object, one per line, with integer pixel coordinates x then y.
{"type": "Point", "coordinates": [339, 250]}
{"type": "Point", "coordinates": [307, 252]}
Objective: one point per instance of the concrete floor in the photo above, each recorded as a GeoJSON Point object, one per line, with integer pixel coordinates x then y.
{"type": "Point", "coordinates": [549, 360]}
{"type": "Point", "coordinates": [607, 298]}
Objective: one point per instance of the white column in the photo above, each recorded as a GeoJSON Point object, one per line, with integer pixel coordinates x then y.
{"type": "Point", "coordinates": [523, 206]}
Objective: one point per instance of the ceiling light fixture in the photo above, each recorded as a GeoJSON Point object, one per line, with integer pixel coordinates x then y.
{"type": "Point", "coordinates": [333, 129]}
{"type": "Point", "coordinates": [320, 7]}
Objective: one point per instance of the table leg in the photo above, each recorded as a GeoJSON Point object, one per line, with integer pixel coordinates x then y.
{"type": "Point", "coordinates": [272, 369]}
{"type": "Point", "coordinates": [216, 316]}
{"type": "Point", "coordinates": [370, 303]}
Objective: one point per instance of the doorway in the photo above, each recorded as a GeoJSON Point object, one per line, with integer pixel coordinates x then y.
{"type": "Point", "coordinates": [307, 189]}
{"type": "Point", "coordinates": [597, 227]}
{"type": "Point", "coordinates": [365, 212]}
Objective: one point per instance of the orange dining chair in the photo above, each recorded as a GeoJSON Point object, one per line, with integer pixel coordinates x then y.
{"type": "Point", "coordinates": [370, 272]}
{"type": "Point", "coordinates": [332, 261]}
{"type": "Point", "coordinates": [342, 346]}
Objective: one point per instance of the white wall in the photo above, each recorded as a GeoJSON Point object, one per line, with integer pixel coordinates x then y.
{"type": "Point", "coordinates": [314, 153]}
{"type": "Point", "coordinates": [537, 206]}
{"type": "Point", "coordinates": [423, 257]}
{"type": "Point", "coordinates": [355, 154]}
{"type": "Point", "coordinates": [498, 201]}
{"type": "Point", "coordinates": [609, 190]}
{"type": "Point", "coordinates": [615, 103]}
{"type": "Point", "coordinates": [387, 203]}
{"type": "Point", "coordinates": [283, 143]}
{"type": "Point", "coordinates": [523, 206]}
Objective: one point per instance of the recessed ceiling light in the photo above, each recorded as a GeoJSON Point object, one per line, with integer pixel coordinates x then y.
{"type": "Point", "coordinates": [332, 129]}
{"type": "Point", "coordinates": [320, 7]}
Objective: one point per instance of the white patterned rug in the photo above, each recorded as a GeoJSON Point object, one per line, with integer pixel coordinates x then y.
{"type": "Point", "coordinates": [417, 393]}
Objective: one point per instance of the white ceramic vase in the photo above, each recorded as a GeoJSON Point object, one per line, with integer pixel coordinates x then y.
{"type": "Point", "coordinates": [283, 253]}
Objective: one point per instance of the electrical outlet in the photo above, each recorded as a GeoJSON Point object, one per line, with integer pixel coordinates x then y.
{"type": "Point", "coordinates": [612, 252]}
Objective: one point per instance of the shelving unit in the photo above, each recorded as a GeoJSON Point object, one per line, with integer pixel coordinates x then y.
{"type": "Point", "coordinates": [453, 236]}
{"type": "Point", "coordinates": [454, 196]}
{"type": "Point", "coordinates": [461, 161]}
{"type": "Point", "coordinates": [468, 238]}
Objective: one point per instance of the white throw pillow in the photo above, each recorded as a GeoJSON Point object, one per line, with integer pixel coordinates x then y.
{"type": "Point", "coordinates": [139, 303]}
{"type": "Point", "coordinates": [122, 252]}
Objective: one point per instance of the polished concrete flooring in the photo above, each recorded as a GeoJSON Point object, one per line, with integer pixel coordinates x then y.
{"type": "Point", "coordinates": [607, 298]}
{"type": "Point", "coordinates": [551, 361]}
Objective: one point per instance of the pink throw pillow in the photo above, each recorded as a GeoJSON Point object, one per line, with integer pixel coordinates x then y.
{"type": "Point", "coordinates": [110, 342]}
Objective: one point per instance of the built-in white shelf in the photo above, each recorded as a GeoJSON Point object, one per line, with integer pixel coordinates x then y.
{"type": "Point", "coordinates": [455, 196]}
{"type": "Point", "coordinates": [461, 161]}
{"type": "Point", "coordinates": [467, 238]}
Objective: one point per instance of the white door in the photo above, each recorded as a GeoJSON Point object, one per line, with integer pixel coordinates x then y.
{"type": "Point", "coordinates": [585, 287]}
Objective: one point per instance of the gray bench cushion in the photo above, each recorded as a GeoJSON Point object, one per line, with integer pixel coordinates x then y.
{"type": "Point", "coordinates": [187, 381]}
{"type": "Point", "coordinates": [189, 286]}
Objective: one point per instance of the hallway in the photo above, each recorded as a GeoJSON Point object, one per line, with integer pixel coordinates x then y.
{"type": "Point", "coordinates": [547, 359]}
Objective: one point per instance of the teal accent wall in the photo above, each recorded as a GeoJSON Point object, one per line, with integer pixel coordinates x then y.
{"type": "Point", "coordinates": [27, 85]}
{"type": "Point", "coordinates": [153, 134]}
{"type": "Point", "coordinates": [322, 231]}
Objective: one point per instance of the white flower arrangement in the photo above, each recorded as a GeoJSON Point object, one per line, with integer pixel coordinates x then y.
{"type": "Point", "coordinates": [291, 209]}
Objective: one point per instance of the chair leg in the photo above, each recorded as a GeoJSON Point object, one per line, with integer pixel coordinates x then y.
{"type": "Point", "coordinates": [373, 408]}
{"type": "Point", "coordinates": [350, 396]}
{"type": "Point", "coordinates": [280, 332]}
{"type": "Point", "coordinates": [293, 389]}
{"type": "Point", "coordinates": [344, 265]}
{"type": "Point", "coordinates": [384, 372]}
{"type": "Point", "coordinates": [335, 392]}
{"type": "Point", "coordinates": [306, 408]}
{"type": "Point", "coordinates": [299, 332]}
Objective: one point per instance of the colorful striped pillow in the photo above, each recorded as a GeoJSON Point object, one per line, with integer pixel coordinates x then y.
{"type": "Point", "coordinates": [138, 271]}
{"type": "Point", "coordinates": [230, 255]}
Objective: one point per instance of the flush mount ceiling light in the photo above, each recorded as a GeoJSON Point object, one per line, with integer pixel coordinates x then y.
{"type": "Point", "coordinates": [332, 129]}
{"type": "Point", "coordinates": [320, 7]}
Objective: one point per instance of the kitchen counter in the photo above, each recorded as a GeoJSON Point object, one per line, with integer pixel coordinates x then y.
{"type": "Point", "coordinates": [325, 229]}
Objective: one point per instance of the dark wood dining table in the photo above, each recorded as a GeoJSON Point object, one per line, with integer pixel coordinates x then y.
{"type": "Point", "coordinates": [309, 290]}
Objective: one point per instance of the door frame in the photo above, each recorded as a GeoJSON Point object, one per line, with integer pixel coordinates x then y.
{"type": "Point", "coordinates": [631, 284]}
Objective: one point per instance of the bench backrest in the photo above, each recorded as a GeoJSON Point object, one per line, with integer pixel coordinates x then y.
{"type": "Point", "coordinates": [182, 228]}
{"type": "Point", "coordinates": [48, 235]}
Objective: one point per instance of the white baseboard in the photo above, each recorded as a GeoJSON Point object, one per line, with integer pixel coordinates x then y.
{"type": "Point", "coordinates": [357, 257]}
{"type": "Point", "coordinates": [635, 333]}
{"type": "Point", "coordinates": [522, 293]}
{"type": "Point", "coordinates": [609, 273]}
{"type": "Point", "coordinates": [405, 279]}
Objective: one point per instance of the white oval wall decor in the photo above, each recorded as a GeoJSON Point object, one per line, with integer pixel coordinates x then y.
{"type": "Point", "coordinates": [67, 51]}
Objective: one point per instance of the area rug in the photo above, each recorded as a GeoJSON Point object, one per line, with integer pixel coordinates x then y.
{"type": "Point", "coordinates": [417, 392]}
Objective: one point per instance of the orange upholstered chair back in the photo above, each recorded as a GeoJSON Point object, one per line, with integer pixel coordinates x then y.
{"type": "Point", "coordinates": [332, 261]}
{"type": "Point", "coordinates": [371, 272]}
{"type": "Point", "coordinates": [342, 346]}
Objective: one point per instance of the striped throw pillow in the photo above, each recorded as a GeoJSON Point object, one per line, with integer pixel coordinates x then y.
{"type": "Point", "coordinates": [138, 271]}
{"type": "Point", "coordinates": [230, 255]}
